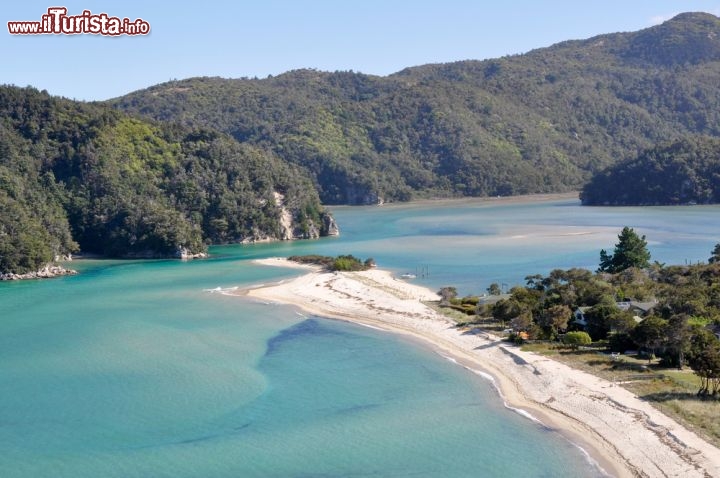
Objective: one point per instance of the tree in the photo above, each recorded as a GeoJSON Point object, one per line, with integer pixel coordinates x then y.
{"type": "Point", "coordinates": [715, 254]}
{"type": "Point", "coordinates": [446, 295]}
{"type": "Point", "coordinates": [605, 261]}
{"type": "Point", "coordinates": [630, 251]}
{"type": "Point", "coordinates": [523, 322]}
{"type": "Point", "coordinates": [524, 328]}
{"type": "Point", "coordinates": [704, 359]}
{"type": "Point", "coordinates": [650, 333]}
{"type": "Point", "coordinates": [554, 319]}
{"type": "Point", "coordinates": [576, 339]}
{"type": "Point", "coordinates": [529, 299]}
{"type": "Point", "coordinates": [598, 318]}
{"type": "Point", "coordinates": [506, 309]}
{"type": "Point", "coordinates": [494, 289]}
{"type": "Point", "coordinates": [621, 322]}
{"type": "Point", "coordinates": [534, 281]}
{"type": "Point", "coordinates": [678, 338]}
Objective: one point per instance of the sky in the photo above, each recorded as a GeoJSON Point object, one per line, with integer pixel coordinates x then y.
{"type": "Point", "coordinates": [235, 39]}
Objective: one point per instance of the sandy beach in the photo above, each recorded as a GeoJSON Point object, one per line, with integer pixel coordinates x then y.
{"type": "Point", "coordinates": [623, 434]}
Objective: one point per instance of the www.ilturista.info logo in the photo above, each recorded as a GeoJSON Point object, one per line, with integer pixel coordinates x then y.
{"type": "Point", "coordinates": [58, 22]}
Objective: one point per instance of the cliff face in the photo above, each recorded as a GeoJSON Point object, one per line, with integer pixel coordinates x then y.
{"type": "Point", "coordinates": [294, 227]}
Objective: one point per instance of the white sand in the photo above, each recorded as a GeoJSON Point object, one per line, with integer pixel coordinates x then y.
{"type": "Point", "coordinates": [625, 435]}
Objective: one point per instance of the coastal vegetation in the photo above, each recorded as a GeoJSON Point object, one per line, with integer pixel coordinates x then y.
{"type": "Point", "coordinates": [576, 339]}
{"type": "Point", "coordinates": [655, 328]}
{"type": "Point", "coordinates": [545, 121]}
{"type": "Point", "coordinates": [84, 177]}
{"type": "Point", "coordinates": [630, 251]}
{"type": "Point", "coordinates": [344, 263]}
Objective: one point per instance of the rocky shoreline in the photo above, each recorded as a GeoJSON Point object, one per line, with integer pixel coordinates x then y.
{"type": "Point", "coordinates": [47, 272]}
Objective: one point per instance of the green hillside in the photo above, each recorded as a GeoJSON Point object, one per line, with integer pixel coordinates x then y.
{"type": "Point", "coordinates": [681, 172]}
{"type": "Point", "coordinates": [540, 122]}
{"type": "Point", "coordinates": [74, 175]}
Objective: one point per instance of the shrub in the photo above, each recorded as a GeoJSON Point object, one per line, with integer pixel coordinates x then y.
{"type": "Point", "coordinates": [576, 339]}
{"type": "Point", "coordinates": [339, 263]}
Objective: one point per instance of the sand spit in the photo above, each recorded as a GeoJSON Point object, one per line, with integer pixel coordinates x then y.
{"type": "Point", "coordinates": [626, 436]}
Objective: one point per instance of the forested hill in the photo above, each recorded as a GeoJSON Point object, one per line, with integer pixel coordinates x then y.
{"type": "Point", "coordinates": [539, 122]}
{"type": "Point", "coordinates": [77, 175]}
{"type": "Point", "coordinates": [682, 172]}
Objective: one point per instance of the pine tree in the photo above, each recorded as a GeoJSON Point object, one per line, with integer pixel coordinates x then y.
{"type": "Point", "coordinates": [715, 254]}
{"type": "Point", "coordinates": [630, 251]}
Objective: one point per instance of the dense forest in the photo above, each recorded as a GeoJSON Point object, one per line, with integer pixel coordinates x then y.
{"type": "Point", "coordinates": [78, 176]}
{"type": "Point", "coordinates": [544, 121]}
{"type": "Point", "coordinates": [686, 171]}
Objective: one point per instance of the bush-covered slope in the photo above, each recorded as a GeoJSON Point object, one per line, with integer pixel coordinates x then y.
{"type": "Point", "coordinates": [682, 172]}
{"type": "Point", "coordinates": [76, 175]}
{"type": "Point", "coordinates": [539, 122]}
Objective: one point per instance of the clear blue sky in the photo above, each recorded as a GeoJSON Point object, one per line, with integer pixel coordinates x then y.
{"type": "Point", "coordinates": [256, 38]}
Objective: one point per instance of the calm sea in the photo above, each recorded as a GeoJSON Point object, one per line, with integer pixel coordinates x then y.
{"type": "Point", "coordinates": [141, 369]}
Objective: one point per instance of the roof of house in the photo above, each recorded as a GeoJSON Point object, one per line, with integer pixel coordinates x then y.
{"type": "Point", "coordinates": [644, 306]}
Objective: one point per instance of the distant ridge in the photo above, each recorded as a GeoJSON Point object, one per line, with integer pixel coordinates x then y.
{"type": "Point", "coordinates": [689, 38]}
{"type": "Point", "coordinates": [545, 121]}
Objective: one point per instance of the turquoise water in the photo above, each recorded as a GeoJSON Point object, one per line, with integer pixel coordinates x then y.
{"type": "Point", "coordinates": [470, 244]}
{"type": "Point", "coordinates": [136, 369]}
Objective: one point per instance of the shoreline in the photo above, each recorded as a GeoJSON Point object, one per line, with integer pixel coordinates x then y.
{"type": "Point", "coordinates": [499, 200]}
{"type": "Point", "coordinates": [623, 435]}
{"type": "Point", "coordinates": [50, 271]}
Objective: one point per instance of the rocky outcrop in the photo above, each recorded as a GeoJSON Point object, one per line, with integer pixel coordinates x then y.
{"type": "Point", "coordinates": [185, 254]}
{"type": "Point", "coordinates": [287, 232]}
{"type": "Point", "coordinates": [47, 272]}
{"type": "Point", "coordinates": [329, 226]}
{"type": "Point", "coordinates": [291, 230]}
